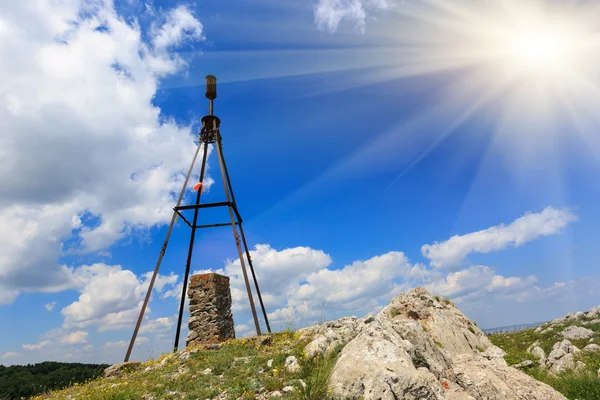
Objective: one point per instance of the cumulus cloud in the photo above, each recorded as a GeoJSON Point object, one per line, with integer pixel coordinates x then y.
{"type": "Point", "coordinates": [500, 283]}
{"type": "Point", "coordinates": [83, 93]}
{"type": "Point", "coordinates": [121, 343]}
{"type": "Point", "coordinates": [362, 279]}
{"type": "Point", "coordinates": [329, 13]}
{"type": "Point", "coordinates": [242, 330]}
{"type": "Point", "coordinates": [9, 354]}
{"type": "Point", "coordinates": [78, 337]}
{"type": "Point", "coordinates": [37, 346]}
{"type": "Point", "coordinates": [451, 253]}
{"type": "Point", "coordinates": [110, 298]}
{"type": "Point", "coordinates": [50, 306]}
{"type": "Point", "coordinates": [277, 272]}
{"type": "Point", "coordinates": [157, 325]}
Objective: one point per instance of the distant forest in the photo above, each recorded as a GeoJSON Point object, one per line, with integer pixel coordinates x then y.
{"type": "Point", "coordinates": [19, 381]}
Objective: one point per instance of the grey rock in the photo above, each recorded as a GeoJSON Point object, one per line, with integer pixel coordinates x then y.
{"type": "Point", "coordinates": [533, 345]}
{"type": "Point", "coordinates": [593, 312]}
{"type": "Point", "coordinates": [270, 363]}
{"type": "Point", "coordinates": [592, 348]}
{"type": "Point", "coordinates": [576, 332]}
{"type": "Point", "coordinates": [120, 368]}
{"type": "Point", "coordinates": [291, 364]}
{"type": "Point", "coordinates": [207, 371]}
{"type": "Point", "coordinates": [561, 358]}
{"type": "Point", "coordinates": [323, 344]}
{"type": "Point", "coordinates": [276, 393]}
{"type": "Point", "coordinates": [415, 349]}
{"type": "Point", "coordinates": [573, 316]}
{"type": "Point", "coordinates": [288, 389]}
{"type": "Point", "coordinates": [580, 366]}
{"type": "Point", "coordinates": [538, 353]}
{"type": "Point", "coordinates": [526, 363]}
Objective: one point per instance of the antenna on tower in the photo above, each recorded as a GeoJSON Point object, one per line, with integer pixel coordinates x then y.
{"type": "Point", "coordinates": [209, 134]}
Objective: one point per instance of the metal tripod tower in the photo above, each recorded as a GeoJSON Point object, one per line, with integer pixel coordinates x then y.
{"type": "Point", "coordinates": [209, 134]}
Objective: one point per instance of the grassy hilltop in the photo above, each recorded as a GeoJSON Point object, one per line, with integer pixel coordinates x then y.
{"type": "Point", "coordinates": [257, 368]}
{"type": "Point", "coordinates": [582, 385]}
{"type": "Point", "coordinates": [238, 370]}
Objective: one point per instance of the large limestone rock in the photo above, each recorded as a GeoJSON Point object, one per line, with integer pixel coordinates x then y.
{"type": "Point", "coordinates": [594, 312]}
{"type": "Point", "coordinates": [561, 358]}
{"type": "Point", "coordinates": [420, 347]}
{"type": "Point", "coordinates": [538, 353]}
{"type": "Point", "coordinates": [592, 348]}
{"type": "Point", "coordinates": [325, 337]}
{"type": "Point", "coordinates": [576, 332]}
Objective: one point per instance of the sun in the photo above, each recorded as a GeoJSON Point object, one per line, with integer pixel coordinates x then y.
{"type": "Point", "coordinates": [542, 49]}
{"type": "Point", "coordinates": [531, 39]}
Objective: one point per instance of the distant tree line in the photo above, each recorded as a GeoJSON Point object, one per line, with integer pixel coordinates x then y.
{"type": "Point", "coordinates": [23, 381]}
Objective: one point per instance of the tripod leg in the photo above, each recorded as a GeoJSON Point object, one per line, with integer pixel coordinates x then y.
{"type": "Point", "coordinates": [254, 278]}
{"type": "Point", "coordinates": [191, 248]}
{"type": "Point", "coordinates": [236, 237]}
{"type": "Point", "coordinates": [245, 244]}
{"type": "Point", "coordinates": [160, 257]}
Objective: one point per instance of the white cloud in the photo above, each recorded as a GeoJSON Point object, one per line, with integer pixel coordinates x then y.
{"type": "Point", "coordinates": [452, 252]}
{"type": "Point", "coordinates": [50, 306]}
{"type": "Point", "coordinates": [180, 26]}
{"type": "Point", "coordinates": [242, 330]}
{"type": "Point", "coordinates": [111, 297]}
{"type": "Point", "coordinates": [36, 347]}
{"type": "Point", "coordinates": [329, 13]}
{"type": "Point", "coordinates": [119, 344]}
{"type": "Point", "coordinates": [9, 354]}
{"type": "Point", "coordinates": [501, 283]}
{"type": "Point", "coordinates": [78, 337]}
{"type": "Point", "coordinates": [84, 93]}
{"type": "Point", "coordinates": [277, 272]}
{"type": "Point", "coordinates": [361, 279]}
{"type": "Point", "coordinates": [122, 343]}
{"type": "Point", "coordinates": [157, 325]}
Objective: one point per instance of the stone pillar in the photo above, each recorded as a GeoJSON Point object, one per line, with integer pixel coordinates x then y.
{"type": "Point", "coordinates": [210, 319]}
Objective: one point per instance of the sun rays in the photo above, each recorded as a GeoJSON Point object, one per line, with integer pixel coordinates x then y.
{"type": "Point", "coordinates": [527, 67]}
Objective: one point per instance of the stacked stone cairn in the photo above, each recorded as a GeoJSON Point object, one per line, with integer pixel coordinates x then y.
{"type": "Point", "coordinates": [210, 319]}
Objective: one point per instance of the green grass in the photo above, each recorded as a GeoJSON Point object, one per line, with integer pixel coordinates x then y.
{"type": "Point", "coordinates": [573, 385]}
{"type": "Point", "coordinates": [241, 380]}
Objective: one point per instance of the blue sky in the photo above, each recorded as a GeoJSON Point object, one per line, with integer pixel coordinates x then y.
{"type": "Point", "coordinates": [373, 146]}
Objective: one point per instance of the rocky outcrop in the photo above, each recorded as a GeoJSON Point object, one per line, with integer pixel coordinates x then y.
{"type": "Point", "coordinates": [561, 358]}
{"type": "Point", "coordinates": [594, 312]}
{"type": "Point", "coordinates": [422, 347]}
{"type": "Point", "coordinates": [538, 353]}
{"type": "Point", "coordinates": [325, 337]}
{"type": "Point", "coordinates": [576, 332]}
{"type": "Point", "coordinates": [592, 348]}
{"type": "Point", "coordinates": [119, 369]}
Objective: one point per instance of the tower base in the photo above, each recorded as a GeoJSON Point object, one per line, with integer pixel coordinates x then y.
{"type": "Point", "coordinates": [210, 318]}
